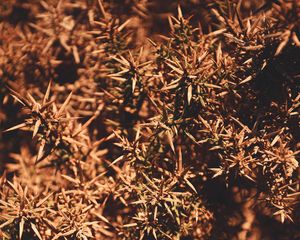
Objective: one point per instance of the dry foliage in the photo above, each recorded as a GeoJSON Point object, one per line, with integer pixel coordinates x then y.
{"type": "Point", "coordinates": [149, 119]}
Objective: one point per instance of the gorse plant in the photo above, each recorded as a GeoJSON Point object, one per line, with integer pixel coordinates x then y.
{"type": "Point", "coordinates": [112, 128]}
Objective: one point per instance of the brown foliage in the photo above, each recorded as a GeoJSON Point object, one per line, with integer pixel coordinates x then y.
{"type": "Point", "coordinates": [149, 120]}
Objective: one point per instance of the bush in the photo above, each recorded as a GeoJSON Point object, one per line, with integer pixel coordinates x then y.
{"type": "Point", "coordinates": [131, 120]}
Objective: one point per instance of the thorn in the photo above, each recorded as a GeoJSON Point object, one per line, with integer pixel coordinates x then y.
{"type": "Point", "coordinates": [15, 127]}
{"type": "Point", "coordinates": [170, 140]}
{"type": "Point", "coordinates": [60, 111]}
{"type": "Point", "coordinates": [179, 12]}
{"type": "Point", "coordinates": [102, 10]}
{"type": "Point", "coordinates": [189, 94]}
{"type": "Point", "coordinates": [36, 127]}
{"type": "Point", "coordinates": [46, 97]}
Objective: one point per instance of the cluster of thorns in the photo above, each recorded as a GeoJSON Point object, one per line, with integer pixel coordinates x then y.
{"type": "Point", "coordinates": [111, 132]}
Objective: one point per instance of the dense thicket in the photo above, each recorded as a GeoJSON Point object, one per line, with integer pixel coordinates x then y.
{"type": "Point", "coordinates": [148, 119]}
